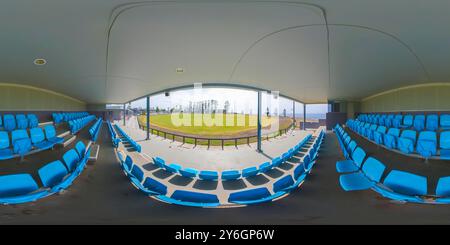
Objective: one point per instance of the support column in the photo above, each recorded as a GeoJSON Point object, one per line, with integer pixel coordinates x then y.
{"type": "Point", "coordinates": [124, 114]}
{"type": "Point", "coordinates": [259, 122]}
{"type": "Point", "coordinates": [304, 116]}
{"type": "Point", "coordinates": [148, 117]}
{"type": "Point", "coordinates": [293, 112]}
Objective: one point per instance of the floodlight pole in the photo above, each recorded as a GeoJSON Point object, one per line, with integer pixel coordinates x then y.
{"type": "Point", "coordinates": [259, 123]}
{"type": "Point", "coordinates": [124, 114]}
{"type": "Point", "coordinates": [148, 117]}
{"type": "Point", "coordinates": [304, 116]}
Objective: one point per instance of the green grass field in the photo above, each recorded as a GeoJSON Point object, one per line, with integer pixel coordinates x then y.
{"type": "Point", "coordinates": [248, 122]}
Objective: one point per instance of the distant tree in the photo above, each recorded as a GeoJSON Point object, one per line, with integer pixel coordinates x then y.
{"type": "Point", "coordinates": [157, 109]}
{"type": "Point", "coordinates": [226, 107]}
{"type": "Point", "coordinates": [268, 112]}
{"type": "Point", "coordinates": [284, 112]}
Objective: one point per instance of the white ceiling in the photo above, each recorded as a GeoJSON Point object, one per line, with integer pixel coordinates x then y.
{"type": "Point", "coordinates": [112, 51]}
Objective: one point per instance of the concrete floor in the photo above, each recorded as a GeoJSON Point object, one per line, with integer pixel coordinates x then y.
{"type": "Point", "coordinates": [103, 195]}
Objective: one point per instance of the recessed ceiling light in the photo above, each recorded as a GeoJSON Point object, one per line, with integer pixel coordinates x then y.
{"type": "Point", "coordinates": [40, 62]}
{"type": "Point", "coordinates": [179, 70]}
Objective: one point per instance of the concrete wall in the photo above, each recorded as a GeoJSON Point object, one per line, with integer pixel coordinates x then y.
{"type": "Point", "coordinates": [423, 97]}
{"type": "Point", "coordinates": [15, 97]}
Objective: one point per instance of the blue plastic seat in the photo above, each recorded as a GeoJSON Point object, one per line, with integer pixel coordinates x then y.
{"type": "Point", "coordinates": [188, 172]}
{"type": "Point", "coordinates": [9, 122]}
{"type": "Point", "coordinates": [389, 120]}
{"type": "Point", "coordinates": [5, 150]}
{"type": "Point", "coordinates": [353, 165]}
{"type": "Point", "coordinates": [443, 187]}
{"type": "Point", "coordinates": [252, 196]}
{"type": "Point", "coordinates": [351, 147]}
{"type": "Point", "coordinates": [444, 145]}
{"type": "Point", "coordinates": [406, 184]}
{"type": "Point", "coordinates": [136, 176]}
{"type": "Point", "coordinates": [407, 121]}
{"type": "Point", "coordinates": [378, 135]}
{"type": "Point", "coordinates": [370, 132]}
{"type": "Point", "coordinates": [264, 167]}
{"type": "Point", "coordinates": [32, 120]}
{"type": "Point", "coordinates": [397, 121]}
{"type": "Point", "coordinates": [127, 165]}
{"type": "Point", "coordinates": [445, 121]}
{"type": "Point", "coordinates": [38, 139]}
{"type": "Point", "coordinates": [22, 121]}
{"type": "Point", "coordinates": [190, 198]}
{"type": "Point", "coordinates": [173, 168]}
{"type": "Point", "coordinates": [406, 141]}
{"type": "Point", "coordinates": [50, 134]}
{"type": "Point", "coordinates": [390, 138]}
{"type": "Point", "coordinates": [81, 149]}
{"type": "Point", "coordinates": [306, 162]}
{"type": "Point", "coordinates": [231, 175]}
{"type": "Point", "coordinates": [154, 186]}
{"type": "Point", "coordinates": [284, 184]}
{"type": "Point", "coordinates": [71, 159]}
{"type": "Point", "coordinates": [419, 122]}
{"type": "Point", "coordinates": [208, 175]}
{"type": "Point", "coordinates": [21, 142]}
{"type": "Point", "coordinates": [427, 144]}
{"type": "Point", "coordinates": [159, 162]}
{"type": "Point", "coordinates": [249, 172]}
{"type": "Point", "coordinates": [53, 174]}
{"type": "Point", "coordinates": [370, 174]}
{"type": "Point", "coordinates": [432, 122]}
{"type": "Point", "coordinates": [19, 188]}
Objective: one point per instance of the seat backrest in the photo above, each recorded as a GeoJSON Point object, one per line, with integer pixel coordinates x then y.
{"type": "Point", "coordinates": [408, 119]}
{"type": "Point", "coordinates": [52, 173]}
{"type": "Point", "coordinates": [432, 122]}
{"type": "Point", "coordinates": [381, 129]}
{"type": "Point", "coordinates": [443, 187]}
{"type": "Point", "coordinates": [16, 185]}
{"type": "Point", "coordinates": [445, 120]}
{"type": "Point", "coordinates": [4, 140]}
{"type": "Point", "coordinates": [155, 186]}
{"type": "Point", "coordinates": [283, 183]}
{"type": "Point", "coordinates": [358, 156]}
{"type": "Point", "coordinates": [373, 127]}
{"type": "Point", "coordinates": [444, 140]}
{"type": "Point", "coordinates": [249, 195]}
{"type": "Point", "coordinates": [351, 146]}
{"type": "Point", "coordinates": [19, 134]}
{"type": "Point", "coordinates": [195, 197]}
{"type": "Point", "coordinates": [128, 162]}
{"type": "Point", "coordinates": [394, 132]}
{"type": "Point", "coordinates": [419, 118]}
{"type": "Point", "coordinates": [137, 172]}
{"type": "Point", "coordinates": [406, 183]}
{"type": "Point", "coordinates": [398, 117]}
{"type": "Point", "coordinates": [373, 169]}
{"type": "Point", "coordinates": [81, 148]}
{"type": "Point", "coordinates": [428, 135]}
{"type": "Point", "coordinates": [50, 131]}
{"type": "Point", "coordinates": [409, 134]}
{"type": "Point", "coordinates": [71, 159]}
{"type": "Point", "coordinates": [37, 135]}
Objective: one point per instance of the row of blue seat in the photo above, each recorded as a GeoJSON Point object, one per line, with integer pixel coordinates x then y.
{"type": "Point", "coordinates": [76, 125]}
{"type": "Point", "coordinates": [152, 187]}
{"type": "Point", "coordinates": [362, 172]}
{"type": "Point", "coordinates": [55, 176]}
{"type": "Point", "coordinates": [419, 122]}
{"type": "Point", "coordinates": [94, 131]}
{"type": "Point", "coordinates": [114, 139]}
{"type": "Point", "coordinates": [22, 144]}
{"type": "Point", "coordinates": [128, 139]}
{"type": "Point", "coordinates": [407, 142]}
{"type": "Point", "coordinates": [67, 116]}
{"type": "Point", "coordinates": [229, 174]}
{"type": "Point", "coordinates": [20, 121]}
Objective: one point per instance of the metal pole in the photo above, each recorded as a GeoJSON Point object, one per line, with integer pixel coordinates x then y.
{"type": "Point", "coordinates": [293, 112]}
{"type": "Point", "coordinates": [304, 116]}
{"type": "Point", "coordinates": [148, 117]}
{"type": "Point", "coordinates": [124, 113]}
{"type": "Point", "coordinates": [259, 123]}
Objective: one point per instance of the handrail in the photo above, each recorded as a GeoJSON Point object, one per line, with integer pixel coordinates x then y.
{"type": "Point", "coordinates": [185, 138]}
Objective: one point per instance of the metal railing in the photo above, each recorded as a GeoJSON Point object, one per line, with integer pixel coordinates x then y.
{"type": "Point", "coordinates": [225, 141]}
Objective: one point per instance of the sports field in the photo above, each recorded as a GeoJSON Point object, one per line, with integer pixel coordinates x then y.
{"type": "Point", "coordinates": [231, 125]}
